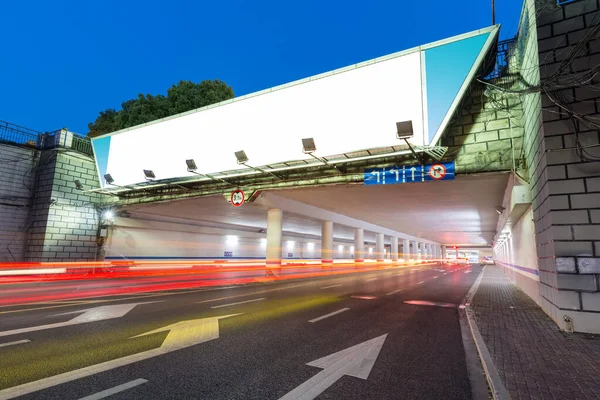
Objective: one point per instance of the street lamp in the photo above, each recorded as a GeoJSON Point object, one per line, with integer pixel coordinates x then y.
{"type": "Point", "coordinates": [149, 175]}
{"type": "Point", "coordinates": [404, 131]}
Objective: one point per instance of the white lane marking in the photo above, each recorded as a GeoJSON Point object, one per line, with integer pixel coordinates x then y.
{"type": "Point", "coordinates": [444, 273]}
{"type": "Point", "coordinates": [330, 286]}
{"type": "Point", "coordinates": [356, 361]}
{"type": "Point", "coordinates": [394, 292]}
{"type": "Point", "coordinates": [467, 272]}
{"type": "Point", "coordinates": [435, 277]}
{"type": "Point", "coordinates": [372, 279]}
{"type": "Point", "coordinates": [114, 390]}
{"type": "Point", "coordinates": [420, 283]}
{"type": "Point", "coordinates": [398, 274]}
{"type": "Point", "coordinates": [253, 293]}
{"type": "Point", "coordinates": [87, 315]}
{"type": "Point", "coordinates": [239, 302]}
{"type": "Point", "coordinates": [328, 315]}
{"type": "Point", "coordinates": [181, 335]}
{"type": "Point", "coordinates": [13, 343]}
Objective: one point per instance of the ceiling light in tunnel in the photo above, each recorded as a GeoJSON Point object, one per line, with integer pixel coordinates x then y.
{"type": "Point", "coordinates": [231, 239]}
{"type": "Point", "coordinates": [290, 244]}
{"type": "Point", "coordinates": [263, 242]}
{"type": "Point", "coordinates": [340, 248]}
{"type": "Point", "coordinates": [370, 250]}
{"type": "Point", "coordinates": [310, 245]}
{"type": "Point", "coordinates": [351, 248]}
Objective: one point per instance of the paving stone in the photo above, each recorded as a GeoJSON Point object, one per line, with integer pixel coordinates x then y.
{"type": "Point", "coordinates": [534, 358]}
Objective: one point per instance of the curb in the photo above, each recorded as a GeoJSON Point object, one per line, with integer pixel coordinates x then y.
{"type": "Point", "coordinates": [497, 388]}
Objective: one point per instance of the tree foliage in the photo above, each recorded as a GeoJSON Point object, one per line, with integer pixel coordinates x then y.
{"type": "Point", "coordinates": [182, 97]}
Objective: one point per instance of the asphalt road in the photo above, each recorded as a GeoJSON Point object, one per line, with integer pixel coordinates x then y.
{"type": "Point", "coordinates": [259, 351]}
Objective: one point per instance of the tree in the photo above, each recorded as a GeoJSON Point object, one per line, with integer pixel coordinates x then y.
{"type": "Point", "coordinates": [182, 97]}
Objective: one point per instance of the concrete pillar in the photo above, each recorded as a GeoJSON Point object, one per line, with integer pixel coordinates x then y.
{"type": "Point", "coordinates": [443, 254]}
{"type": "Point", "coordinates": [327, 243]}
{"type": "Point", "coordinates": [394, 249]}
{"type": "Point", "coordinates": [406, 249]}
{"type": "Point", "coordinates": [426, 251]}
{"type": "Point", "coordinates": [359, 246]}
{"type": "Point", "coordinates": [274, 224]}
{"type": "Point", "coordinates": [379, 254]}
{"type": "Point", "coordinates": [414, 251]}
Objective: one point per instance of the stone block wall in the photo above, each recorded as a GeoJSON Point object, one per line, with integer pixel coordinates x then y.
{"type": "Point", "coordinates": [17, 178]}
{"type": "Point", "coordinates": [65, 222]}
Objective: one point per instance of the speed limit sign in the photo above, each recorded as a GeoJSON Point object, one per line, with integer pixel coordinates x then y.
{"type": "Point", "coordinates": [237, 198]}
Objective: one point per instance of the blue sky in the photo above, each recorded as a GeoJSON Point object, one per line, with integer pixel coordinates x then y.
{"type": "Point", "coordinates": [64, 61]}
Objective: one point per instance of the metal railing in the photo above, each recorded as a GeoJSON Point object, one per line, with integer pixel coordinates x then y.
{"type": "Point", "coordinates": [502, 58]}
{"type": "Point", "coordinates": [62, 138]}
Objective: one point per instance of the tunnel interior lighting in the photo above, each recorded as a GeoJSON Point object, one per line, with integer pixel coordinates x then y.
{"type": "Point", "coordinates": [263, 242]}
{"type": "Point", "coordinates": [308, 145]}
{"type": "Point", "coordinates": [404, 130]}
{"type": "Point", "coordinates": [108, 178]}
{"type": "Point", "coordinates": [149, 174]}
{"type": "Point", "coordinates": [340, 248]}
{"type": "Point", "coordinates": [231, 239]}
{"type": "Point", "coordinates": [78, 184]}
{"type": "Point", "coordinates": [310, 245]}
{"type": "Point", "coordinates": [191, 165]}
{"type": "Point", "coordinates": [290, 244]}
{"type": "Point", "coordinates": [108, 215]}
{"type": "Point", "coordinates": [370, 250]}
{"type": "Point", "coordinates": [241, 157]}
{"type": "Point", "coordinates": [351, 248]}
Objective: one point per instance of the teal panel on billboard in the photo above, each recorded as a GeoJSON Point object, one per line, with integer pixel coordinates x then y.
{"type": "Point", "coordinates": [446, 70]}
{"type": "Point", "coordinates": [101, 149]}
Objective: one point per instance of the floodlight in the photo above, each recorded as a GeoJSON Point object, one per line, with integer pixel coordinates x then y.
{"type": "Point", "coordinates": [404, 130]}
{"type": "Point", "coordinates": [308, 145]}
{"type": "Point", "coordinates": [191, 165]}
{"type": "Point", "coordinates": [109, 179]}
{"type": "Point", "coordinates": [241, 157]}
{"type": "Point", "coordinates": [78, 184]}
{"type": "Point", "coordinates": [149, 174]}
{"type": "Point", "coordinates": [108, 214]}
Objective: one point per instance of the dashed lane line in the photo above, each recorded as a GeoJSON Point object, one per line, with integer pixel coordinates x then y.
{"type": "Point", "coordinates": [14, 343]}
{"type": "Point", "coordinates": [239, 302]}
{"type": "Point", "coordinates": [331, 286]}
{"type": "Point", "coordinates": [372, 279]}
{"type": "Point", "coordinates": [394, 292]}
{"type": "Point", "coordinates": [117, 389]}
{"type": "Point", "coordinates": [331, 314]}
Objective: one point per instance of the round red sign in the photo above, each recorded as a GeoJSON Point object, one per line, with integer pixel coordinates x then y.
{"type": "Point", "coordinates": [437, 171]}
{"type": "Point", "coordinates": [237, 198]}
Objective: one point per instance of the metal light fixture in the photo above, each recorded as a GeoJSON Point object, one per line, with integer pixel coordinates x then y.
{"type": "Point", "coordinates": [500, 210]}
{"type": "Point", "coordinates": [308, 146]}
{"type": "Point", "coordinates": [149, 174]}
{"type": "Point", "coordinates": [78, 184]}
{"type": "Point", "coordinates": [191, 165]}
{"type": "Point", "coordinates": [108, 178]}
{"type": "Point", "coordinates": [404, 131]}
{"type": "Point", "coordinates": [241, 156]}
{"type": "Point", "coordinates": [242, 159]}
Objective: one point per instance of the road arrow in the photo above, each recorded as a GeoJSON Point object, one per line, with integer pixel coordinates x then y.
{"type": "Point", "coordinates": [356, 361]}
{"type": "Point", "coordinates": [181, 334]}
{"type": "Point", "coordinates": [88, 315]}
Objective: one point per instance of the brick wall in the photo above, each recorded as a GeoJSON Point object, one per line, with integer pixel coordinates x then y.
{"type": "Point", "coordinates": [17, 177]}
{"type": "Point", "coordinates": [65, 220]}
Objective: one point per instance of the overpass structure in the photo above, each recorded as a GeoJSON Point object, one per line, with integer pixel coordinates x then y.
{"type": "Point", "coordinates": [337, 164]}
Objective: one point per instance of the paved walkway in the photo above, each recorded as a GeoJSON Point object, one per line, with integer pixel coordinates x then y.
{"type": "Point", "coordinates": [534, 359]}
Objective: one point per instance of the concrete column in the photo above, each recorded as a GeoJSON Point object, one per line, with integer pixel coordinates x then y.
{"type": "Point", "coordinates": [443, 254]}
{"type": "Point", "coordinates": [359, 246]}
{"type": "Point", "coordinates": [394, 249]}
{"type": "Point", "coordinates": [414, 251]}
{"type": "Point", "coordinates": [327, 243]}
{"type": "Point", "coordinates": [379, 254]}
{"type": "Point", "coordinates": [426, 251]}
{"type": "Point", "coordinates": [406, 249]}
{"type": "Point", "coordinates": [274, 224]}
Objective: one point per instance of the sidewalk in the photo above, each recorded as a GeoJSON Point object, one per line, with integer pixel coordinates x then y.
{"type": "Point", "coordinates": [534, 359]}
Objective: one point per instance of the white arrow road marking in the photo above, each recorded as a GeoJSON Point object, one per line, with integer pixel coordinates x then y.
{"type": "Point", "coordinates": [117, 389]}
{"type": "Point", "coordinates": [181, 334]}
{"type": "Point", "coordinates": [356, 361]}
{"type": "Point", "coordinates": [88, 315]}
{"type": "Point", "coordinates": [13, 343]}
{"type": "Point", "coordinates": [328, 315]}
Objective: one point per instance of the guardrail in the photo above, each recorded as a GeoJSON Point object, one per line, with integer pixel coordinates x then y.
{"type": "Point", "coordinates": [62, 138]}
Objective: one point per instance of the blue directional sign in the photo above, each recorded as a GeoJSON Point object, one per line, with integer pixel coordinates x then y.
{"type": "Point", "coordinates": [410, 174]}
